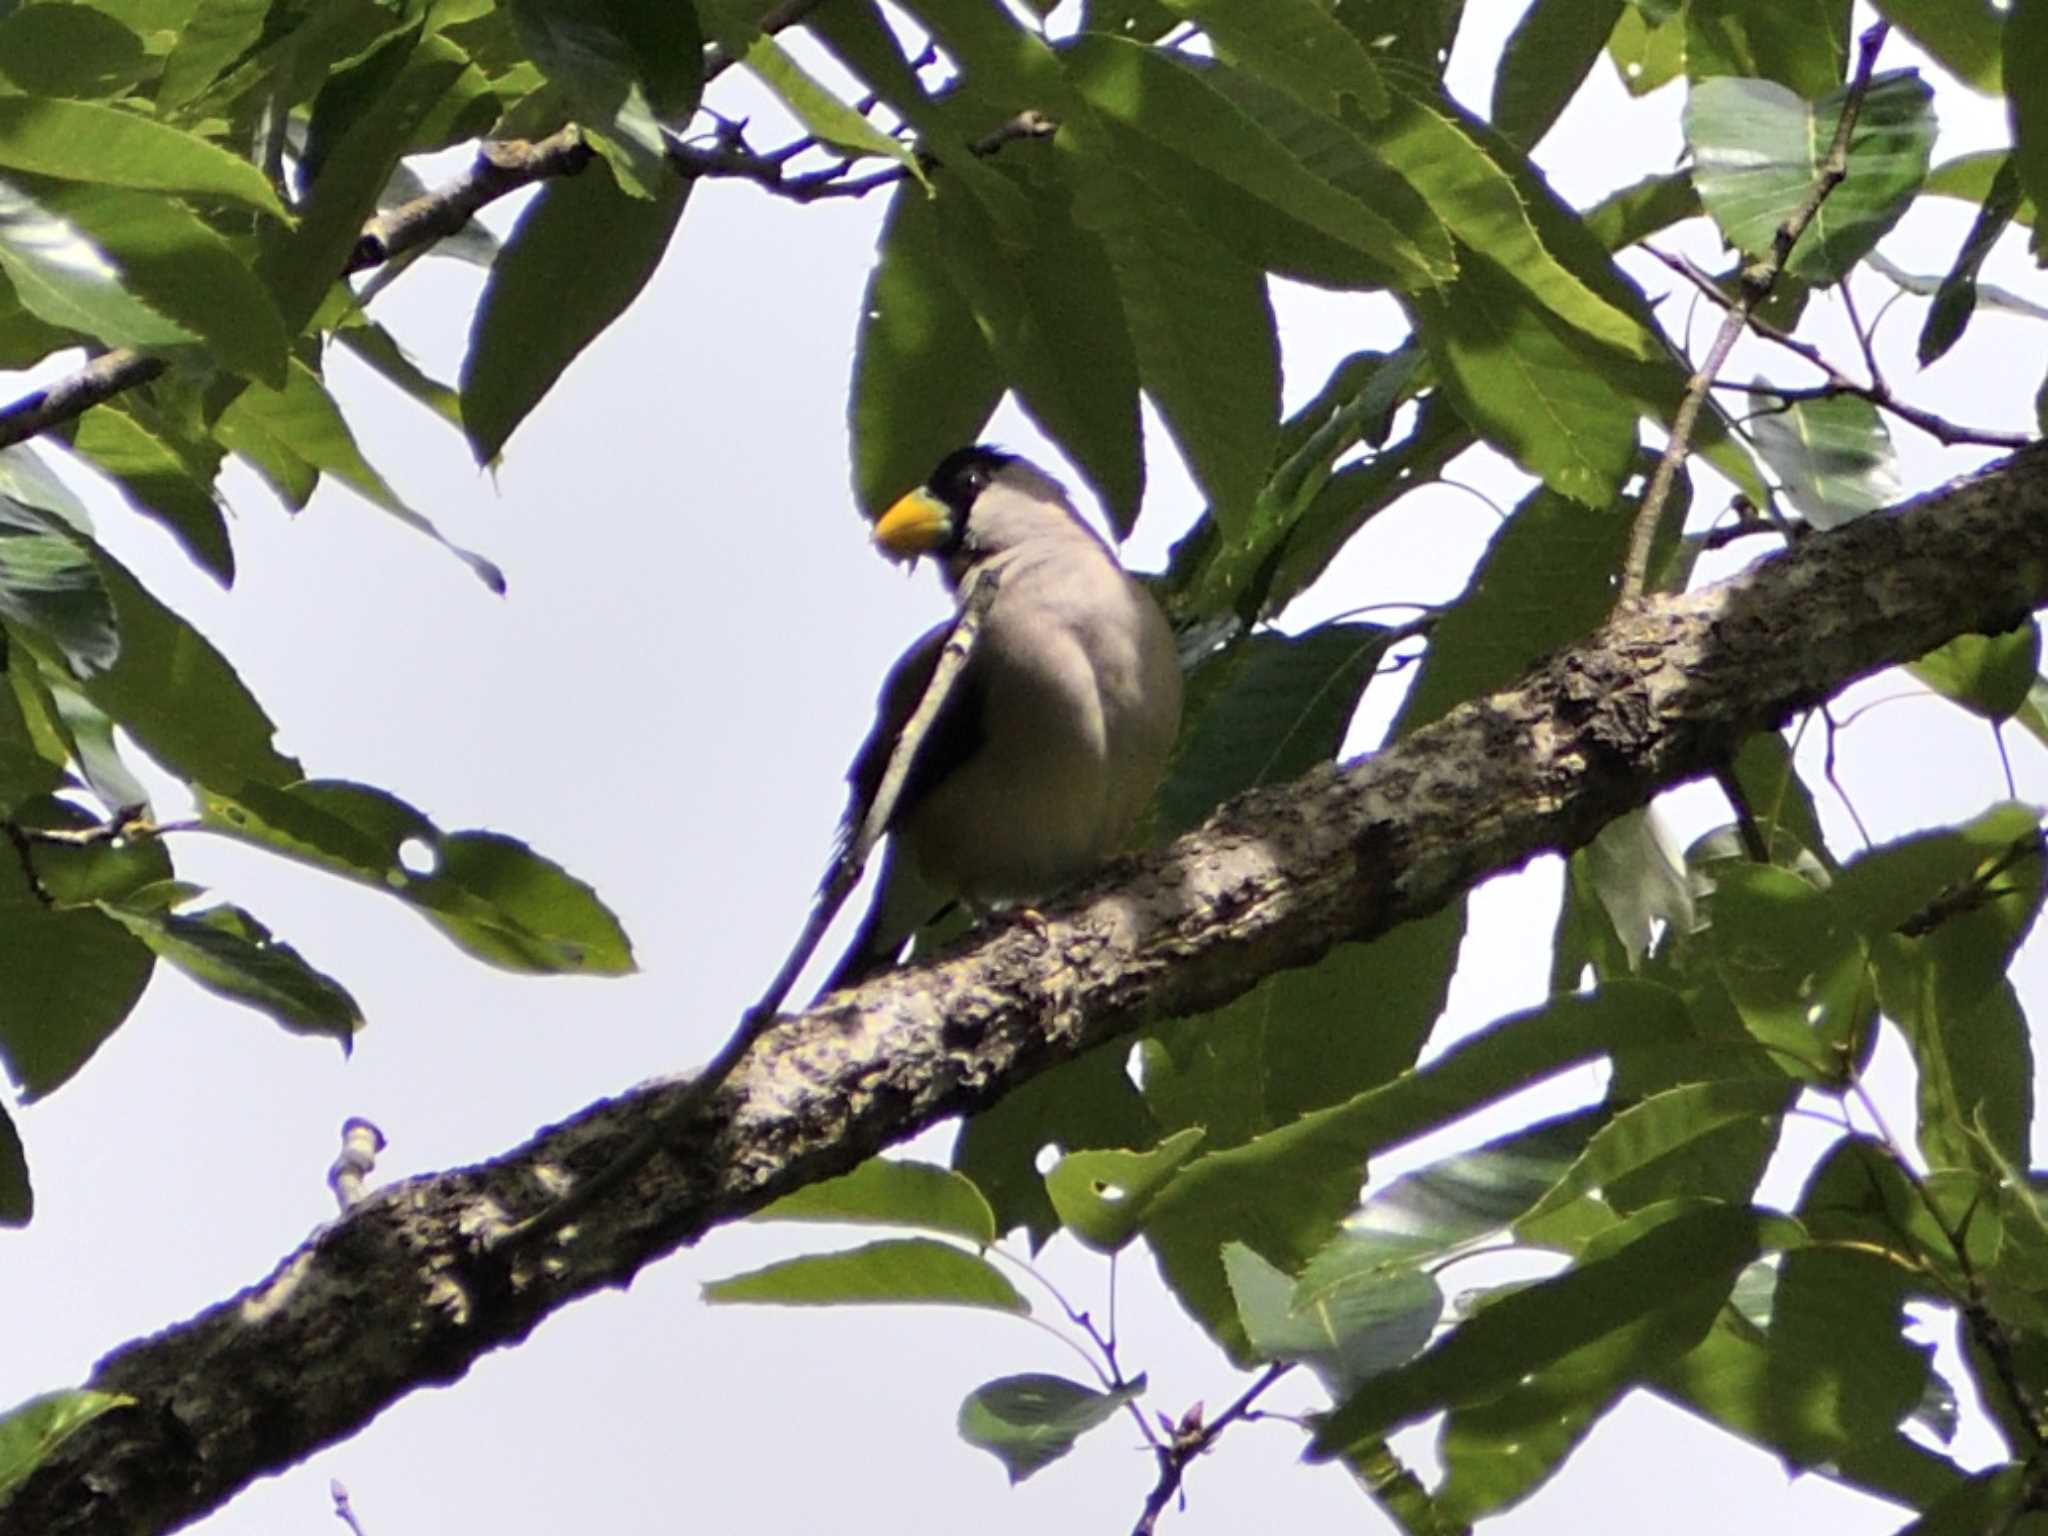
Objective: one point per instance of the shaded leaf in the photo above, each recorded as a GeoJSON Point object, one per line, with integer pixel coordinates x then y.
{"type": "Point", "coordinates": [58, 49]}
{"type": "Point", "coordinates": [1265, 710]}
{"type": "Point", "coordinates": [1803, 45]}
{"type": "Point", "coordinates": [48, 581]}
{"type": "Point", "coordinates": [1201, 328]}
{"type": "Point", "coordinates": [232, 955]}
{"type": "Point", "coordinates": [1833, 456]}
{"type": "Point", "coordinates": [1349, 1329]}
{"type": "Point", "coordinates": [553, 291]}
{"type": "Point", "coordinates": [923, 379]}
{"type": "Point", "coordinates": [1285, 1193]}
{"type": "Point", "coordinates": [1547, 58]}
{"type": "Point", "coordinates": [1956, 299]}
{"type": "Point", "coordinates": [1048, 307]}
{"type": "Point", "coordinates": [1963, 36]}
{"type": "Point", "coordinates": [1028, 1422]}
{"type": "Point", "coordinates": [1662, 1263]}
{"type": "Point", "coordinates": [1297, 46]}
{"type": "Point", "coordinates": [911, 1271]}
{"type": "Point", "coordinates": [160, 479]}
{"type": "Point", "coordinates": [1546, 578]}
{"type": "Point", "coordinates": [62, 277]}
{"type": "Point", "coordinates": [72, 978]}
{"type": "Point", "coordinates": [17, 1205]}
{"type": "Point", "coordinates": [1989, 675]}
{"type": "Point", "coordinates": [490, 894]}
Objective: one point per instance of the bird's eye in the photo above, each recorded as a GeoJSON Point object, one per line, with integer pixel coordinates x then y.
{"type": "Point", "coordinates": [977, 479]}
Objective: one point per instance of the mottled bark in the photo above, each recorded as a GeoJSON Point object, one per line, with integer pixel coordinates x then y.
{"type": "Point", "coordinates": [405, 1290]}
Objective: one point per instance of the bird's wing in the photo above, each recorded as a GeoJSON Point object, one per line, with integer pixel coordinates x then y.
{"type": "Point", "coordinates": [955, 735]}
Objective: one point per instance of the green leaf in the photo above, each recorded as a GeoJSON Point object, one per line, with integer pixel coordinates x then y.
{"type": "Point", "coordinates": [490, 894]}
{"type": "Point", "coordinates": [553, 291]}
{"type": "Point", "coordinates": [377, 347]}
{"type": "Point", "coordinates": [61, 276]}
{"type": "Point", "coordinates": [1090, 1102]}
{"type": "Point", "coordinates": [1662, 1124]}
{"type": "Point", "coordinates": [1469, 181]}
{"type": "Point", "coordinates": [625, 66]}
{"type": "Point", "coordinates": [160, 478]}
{"type": "Point", "coordinates": [1298, 1040]}
{"type": "Point", "coordinates": [49, 584]}
{"type": "Point", "coordinates": [1803, 45]}
{"type": "Point", "coordinates": [302, 423]}
{"type": "Point", "coordinates": [32, 1431]}
{"type": "Point", "coordinates": [1791, 962]}
{"type": "Point", "coordinates": [91, 142]}
{"type": "Point", "coordinates": [1666, 1263]}
{"type": "Point", "coordinates": [79, 874]}
{"type": "Point", "coordinates": [923, 379]}
{"type": "Point", "coordinates": [1183, 107]}
{"type": "Point", "coordinates": [1956, 300]}
{"type": "Point", "coordinates": [1047, 304]}
{"type": "Point", "coordinates": [824, 116]}
{"type": "Point", "coordinates": [1101, 1196]}
{"type": "Point", "coordinates": [1499, 1450]}
{"type": "Point", "coordinates": [411, 75]}
{"type": "Point", "coordinates": [173, 261]}
{"type": "Point", "coordinates": [1297, 46]}
{"type": "Point", "coordinates": [72, 978]}
{"type": "Point", "coordinates": [1201, 324]}
{"type": "Point", "coordinates": [177, 695]}
{"type": "Point", "coordinates": [232, 955]}
{"type": "Point", "coordinates": [1731, 1377]}
{"type": "Point", "coordinates": [1028, 1422]}
{"type": "Point", "coordinates": [17, 1205]}
{"type": "Point", "coordinates": [59, 49]}
{"type": "Point", "coordinates": [1992, 1500]}
{"type": "Point", "coordinates": [1545, 580]}
{"type": "Point", "coordinates": [1547, 58]}
{"type": "Point", "coordinates": [1460, 1202]}
{"type": "Point", "coordinates": [2026, 70]}
{"type": "Point", "coordinates": [1833, 456]}
{"type": "Point", "coordinates": [1758, 150]}
{"type": "Point", "coordinates": [1648, 52]}
{"type": "Point", "coordinates": [1283, 1193]}
{"type": "Point", "coordinates": [1989, 675]}
{"type": "Point", "coordinates": [1648, 207]}
{"type": "Point", "coordinates": [890, 1192]}
{"type": "Point", "coordinates": [1963, 36]}
{"type": "Point", "coordinates": [912, 1271]}
{"type": "Point", "coordinates": [1265, 710]}
{"type": "Point", "coordinates": [1350, 1329]}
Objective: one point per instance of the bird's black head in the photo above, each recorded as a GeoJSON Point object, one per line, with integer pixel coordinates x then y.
{"type": "Point", "coordinates": [963, 475]}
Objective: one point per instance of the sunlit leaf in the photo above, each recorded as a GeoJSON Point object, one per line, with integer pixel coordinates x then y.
{"type": "Point", "coordinates": [1758, 150]}
{"type": "Point", "coordinates": [1101, 1196]}
{"type": "Point", "coordinates": [1833, 456]}
{"type": "Point", "coordinates": [911, 1271]}
{"type": "Point", "coordinates": [29, 1433]}
{"type": "Point", "coordinates": [892, 1192]}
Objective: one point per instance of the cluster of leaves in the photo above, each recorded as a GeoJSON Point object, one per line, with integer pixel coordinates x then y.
{"type": "Point", "coordinates": [185, 182]}
{"type": "Point", "coordinates": [181, 186]}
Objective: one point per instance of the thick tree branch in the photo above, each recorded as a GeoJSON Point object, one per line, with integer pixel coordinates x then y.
{"type": "Point", "coordinates": [405, 1290]}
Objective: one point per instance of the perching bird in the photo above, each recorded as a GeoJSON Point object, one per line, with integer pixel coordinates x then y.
{"type": "Point", "coordinates": [1057, 730]}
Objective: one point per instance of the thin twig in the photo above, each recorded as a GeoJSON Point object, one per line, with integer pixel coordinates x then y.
{"type": "Point", "coordinates": [1758, 278]}
{"type": "Point", "coordinates": [1948, 433]}
{"type": "Point", "coordinates": [1866, 337]}
{"type": "Point", "coordinates": [976, 594]}
{"type": "Point", "coordinates": [731, 160]}
{"type": "Point", "coordinates": [1193, 1441]}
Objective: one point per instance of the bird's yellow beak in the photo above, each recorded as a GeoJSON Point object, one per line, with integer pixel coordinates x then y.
{"type": "Point", "coordinates": [916, 525]}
